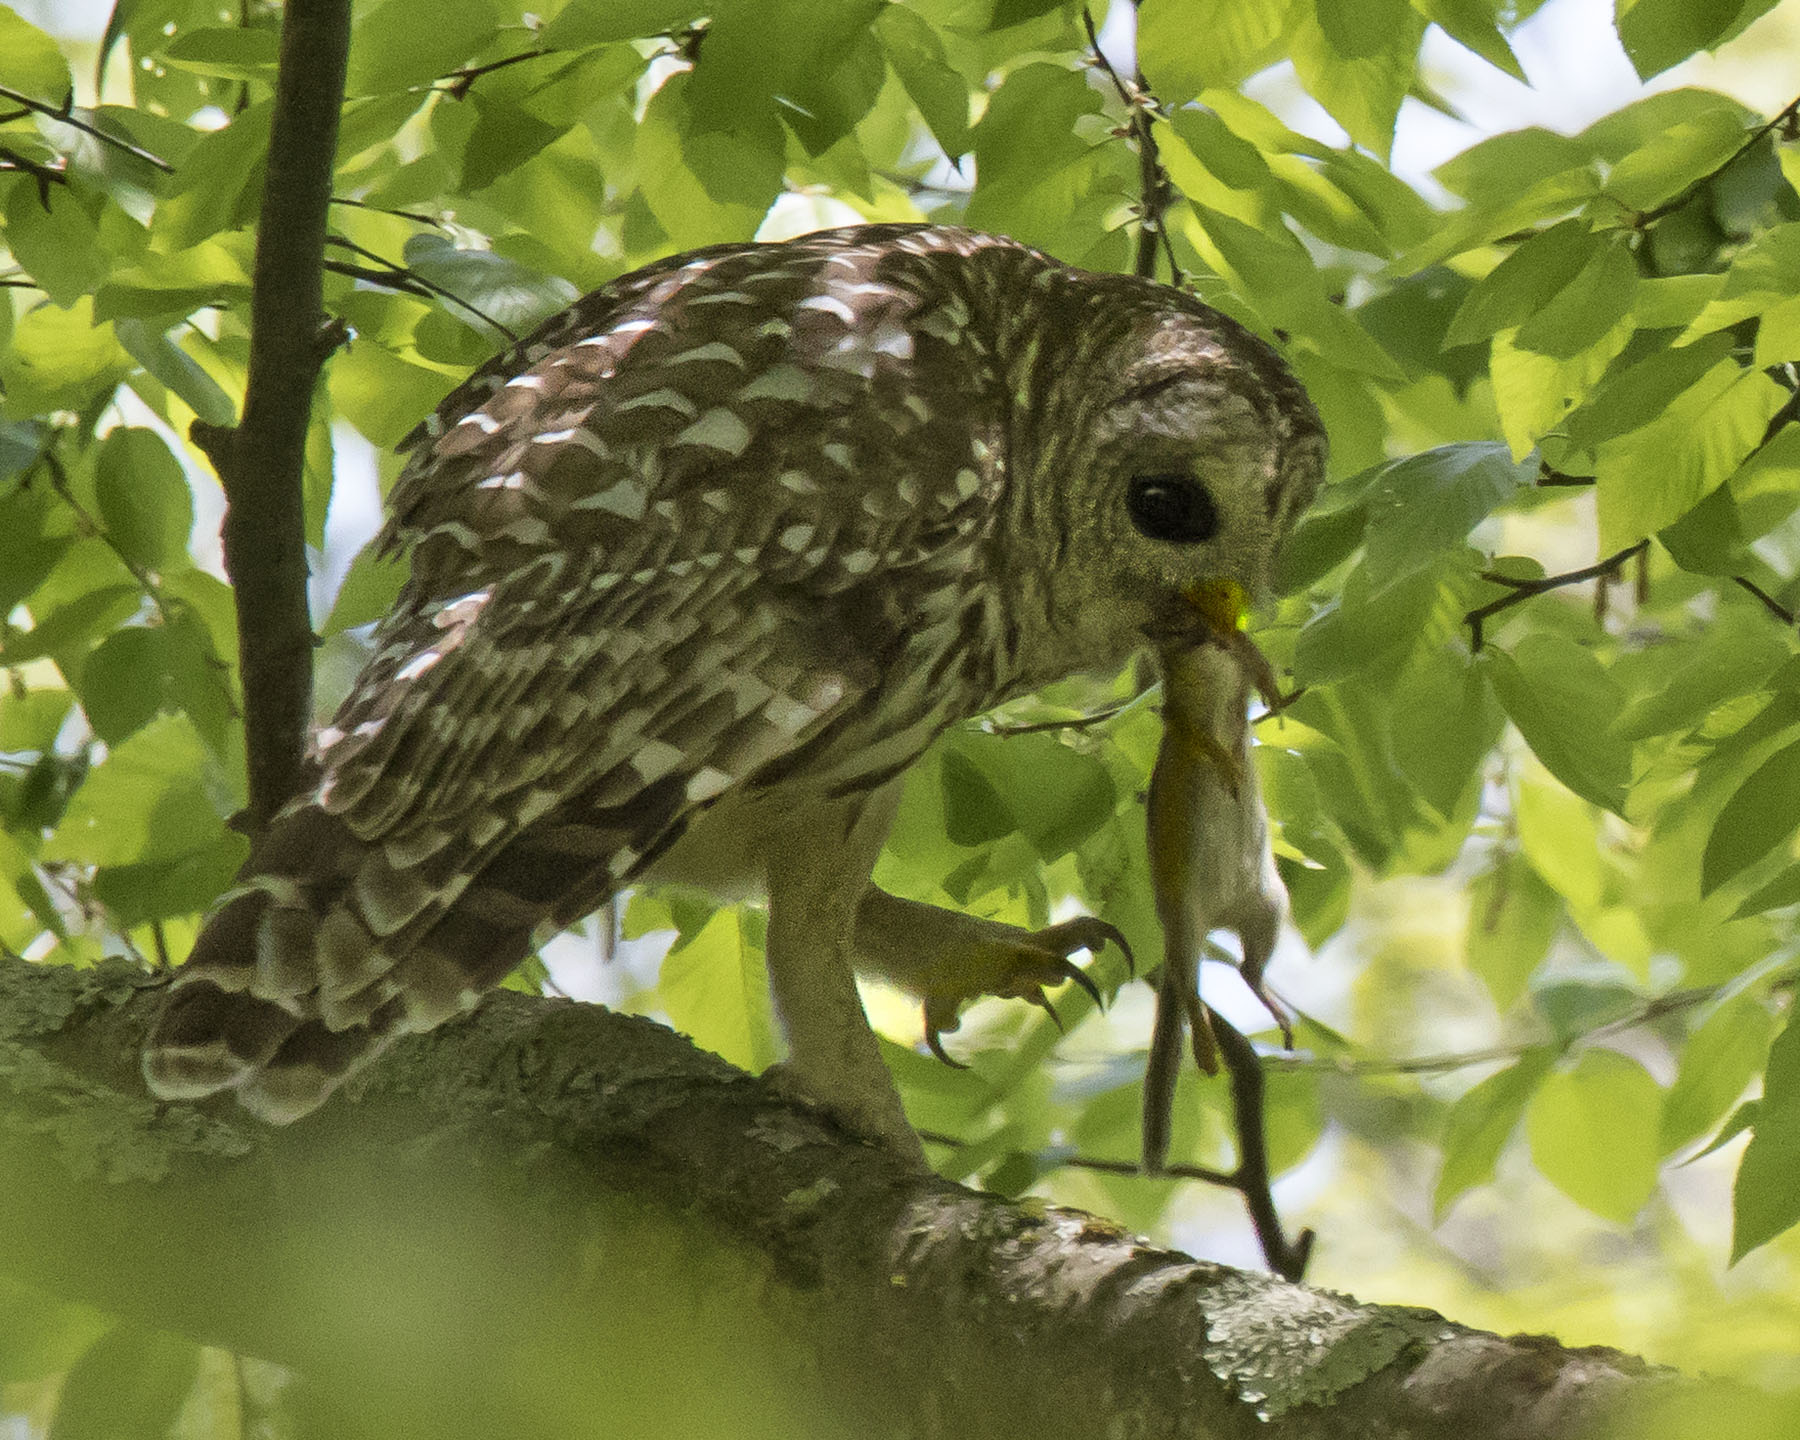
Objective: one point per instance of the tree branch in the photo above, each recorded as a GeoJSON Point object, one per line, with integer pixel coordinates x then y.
{"type": "Point", "coordinates": [261, 461]}
{"type": "Point", "coordinates": [645, 1238]}
{"type": "Point", "coordinates": [1523, 590]}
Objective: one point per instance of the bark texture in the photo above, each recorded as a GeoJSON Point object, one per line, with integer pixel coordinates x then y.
{"type": "Point", "coordinates": [553, 1220]}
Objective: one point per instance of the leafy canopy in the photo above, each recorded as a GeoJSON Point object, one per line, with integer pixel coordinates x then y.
{"type": "Point", "coordinates": [1543, 618]}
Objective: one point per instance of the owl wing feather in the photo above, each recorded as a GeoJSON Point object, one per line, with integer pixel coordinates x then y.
{"type": "Point", "coordinates": [685, 547]}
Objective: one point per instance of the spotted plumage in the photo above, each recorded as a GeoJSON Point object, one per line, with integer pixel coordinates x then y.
{"type": "Point", "coordinates": [697, 571]}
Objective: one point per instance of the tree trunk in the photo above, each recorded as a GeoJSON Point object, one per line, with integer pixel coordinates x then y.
{"type": "Point", "coordinates": [552, 1220]}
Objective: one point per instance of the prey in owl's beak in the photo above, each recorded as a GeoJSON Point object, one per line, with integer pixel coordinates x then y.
{"type": "Point", "coordinates": [1220, 613]}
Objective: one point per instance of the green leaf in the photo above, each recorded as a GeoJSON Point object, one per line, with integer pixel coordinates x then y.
{"type": "Point", "coordinates": [170, 889]}
{"type": "Point", "coordinates": [1681, 685]}
{"type": "Point", "coordinates": [1562, 700]}
{"type": "Point", "coordinates": [594, 22]}
{"type": "Point", "coordinates": [499, 288]}
{"type": "Point", "coordinates": [916, 52]}
{"type": "Point", "coordinates": [974, 810]}
{"type": "Point", "coordinates": [1272, 269]}
{"type": "Point", "coordinates": [1493, 171]}
{"type": "Point", "coordinates": [381, 394]}
{"type": "Point", "coordinates": [369, 589]}
{"type": "Point", "coordinates": [1428, 503]}
{"type": "Point", "coordinates": [1480, 1123]}
{"type": "Point", "coordinates": [42, 1336]}
{"type": "Point", "coordinates": [60, 359]}
{"type": "Point", "coordinates": [30, 721]}
{"type": "Point", "coordinates": [1766, 1201]}
{"type": "Point", "coordinates": [1054, 795]}
{"type": "Point", "coordinates": [1523, 283]}
{"type": "Point", "coordinates": [1658, 34]}
{"type": "Point", "coordinates": [505, 136]}
{"type": "Point", "coordinates": [1652, 476]}
{"type": "Point", "coordinates": [1513, 917]}
{"type": "Point", "coordinates": [1764, 274]}
{"type": "Point", "coordinates": [1471, 24]}
{"type": "Point", "coordinates": [233, 53]}
{"type": "Point", "coordinates": [1759, 816]}
{"type": "Point", "coordinates": [1356, 58]}
{"type": "Point", "coordinates": [129, 1386]}
{"type": "Point", "coordinates": [1585, 310]}
{"type": "Point", "coordinates": [1593, 1133]}
{"type": "Point", "coordinates": [715, 988]}
{"type": "Point", "coordinates": [70, 626]}
{"type": "Point", "coordinates": [31, 62]}
{"type": "Point", "coordinates": [30, 542]}
{"type": "Point", "coordinates": [56, 240]}
{"type": "Point", "coordinates": [119, 681]}
{"type": "Point", "coordinates": [1719, 1060]}
{"type": "Point", "coordinates": [162, 358]}
{"type": "Point", "coordinates": [1534, 392]}
{"type": "Point", "coordinates": [1637, 394]}
{"type": "Point", "coordinates": [155, 797]}
{"type": "Point", "coordinates": [1667, 164]}
{"type": "Point", "coordinates": [145, 502]}
{"type": "Point", "coordinates": [217, 184]}
{"type": "Point", "coordinates": [1242, 37]}
{"type": "Point", "coordinates": [392, 50]}
{"type": "Point", "coordinates": [705, 186]}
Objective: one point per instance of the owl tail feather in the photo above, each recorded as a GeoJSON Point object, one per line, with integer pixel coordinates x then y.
{"type": "Point", "coordinates": [333, 947]}
{"type": "Point", "coordinates": [288, 990]}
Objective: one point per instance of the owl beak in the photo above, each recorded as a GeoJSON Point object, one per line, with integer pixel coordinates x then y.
{"type": "Point", "coordinates": [1222, 605]}
{"type": "Point", "coordinates": [1222, 608]}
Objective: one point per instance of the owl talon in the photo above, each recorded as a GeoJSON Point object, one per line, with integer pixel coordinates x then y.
{"type": "Point", "coordinates": [1010, 964]}
{"type": "Point", "coordinates": [934, 1042]}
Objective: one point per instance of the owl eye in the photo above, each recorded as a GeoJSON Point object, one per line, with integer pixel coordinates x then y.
{"type": "Point", "coordinates": [1173, 507]}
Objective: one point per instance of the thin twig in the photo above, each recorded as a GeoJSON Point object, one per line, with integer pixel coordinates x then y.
{"type": "Point", "coordinates": [1206, 1175]}
{"type": "Point", "coordinates": [90, 525]}
{"type": "Point", "coordinates": [1548, 478]}
{"type": "Point", "coordinates": [415, 283]}
{"type": "Point", "coordinates": [460, 82]}
{"type": "Point", "coordinates": [417, 215]}
{"type": "Point", "coordinates": [45, 175]}
{"type": "Point", "coordinates": [1523, 590]}
{"type": "Point", "coordinates": [1154, 187]}
{"type": "Point", "coordinates": [64, 114]}
{"type": "Point", "coordinates": [1074, 722]}
{"type": "Point", "coordinates": [1774, 606]}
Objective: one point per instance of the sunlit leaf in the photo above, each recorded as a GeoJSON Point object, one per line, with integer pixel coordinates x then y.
{"type": "Point", "coordinates": [1766, 1201]}
{"type": "Point", "coordinates": [153, 798]}
{"type": "Point", "coordinates": [1482, 1121]}
{"type": "Point", "coordinates": [1562, 700]}
{"type": "Point", "coordinates": [1594, 1132]}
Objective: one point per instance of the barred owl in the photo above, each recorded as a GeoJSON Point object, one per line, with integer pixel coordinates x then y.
{"type": "Point", "coordinates": [698, 570]}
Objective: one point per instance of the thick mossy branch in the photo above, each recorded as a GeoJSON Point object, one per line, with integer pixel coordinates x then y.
{"type": "Point", "coordinates": [550, 1219]}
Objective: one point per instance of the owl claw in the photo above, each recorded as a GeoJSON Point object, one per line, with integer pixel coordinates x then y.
{"type": "Point", "coordinates": [1019, 969]}
{"type": "Point", "coordinates": [934, 1042]}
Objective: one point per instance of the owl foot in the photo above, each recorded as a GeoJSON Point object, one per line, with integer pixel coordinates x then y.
{"type": "Point", "coordinates": [1013, 964]}
{"type": "Point", "coordinates": [871, 1112]}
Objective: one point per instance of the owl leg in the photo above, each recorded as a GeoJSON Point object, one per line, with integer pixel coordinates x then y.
{"type": "Point", "coordinates": [833, 1057]}
{"type": "Point", "coordinates": [946, 958]}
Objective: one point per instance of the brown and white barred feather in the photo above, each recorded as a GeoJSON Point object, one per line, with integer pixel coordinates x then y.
{"type": "Point", "coordinates": [737, 522]}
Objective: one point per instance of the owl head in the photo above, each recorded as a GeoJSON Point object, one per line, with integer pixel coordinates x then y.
{"type": "Point", "coordinates": [1184, 452]}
